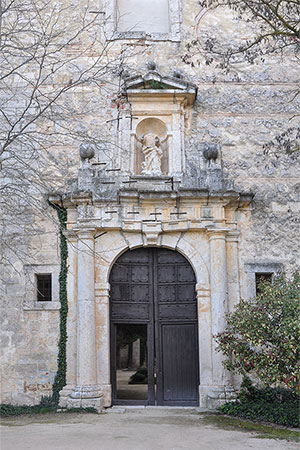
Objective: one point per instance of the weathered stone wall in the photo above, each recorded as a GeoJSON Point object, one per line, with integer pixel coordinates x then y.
{"type": "Point", "coordinates": [29, 333]}
{"type": "Point", "coordinates": [240, 110]}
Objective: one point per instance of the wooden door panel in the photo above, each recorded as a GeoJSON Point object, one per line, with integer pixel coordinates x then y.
{"type": "Point", "coordinates": [120, 273]}
{"type": "Point", "coordinates": [120, 292]}
{"type": "Point", "coordinates": [177, 312]}
{"type": "Point", "coordinates": [139, 274]}
{"type": "Point", "coordinates": [166, 293]}
{"type": "Point", "coordinates": [186, 292]}
{"type": "Point", "coordinates": [179, 364]}
{"type": "Point", "coordinates": [185, 273]}
{"type": "Point", "coordinates": [175, 306]}
{"type": "Point", "coordinates": [140, 293]}
{"type": "Point", "coordinates": [129, 312]}
{"type": "Point", "coordinates": [166, 274]}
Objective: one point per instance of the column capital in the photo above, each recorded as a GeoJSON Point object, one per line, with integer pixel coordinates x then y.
{"type": "Point", "coordinates": [217, 233]}
{"type": "Point", "coordinates": [85, 233]}
{"type": "Point", "coordinates": [233, 236]}
{"type": "Point", "coordinates": [70, 235]}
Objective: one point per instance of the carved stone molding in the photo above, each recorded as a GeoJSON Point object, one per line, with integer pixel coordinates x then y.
{"type": "Point", "coordinates": [152, 234]}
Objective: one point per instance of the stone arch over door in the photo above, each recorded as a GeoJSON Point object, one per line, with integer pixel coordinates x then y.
{"type": "Point", "coordinates": [155, 287]}
{"type": "Point", "coordinates": [195, 247]}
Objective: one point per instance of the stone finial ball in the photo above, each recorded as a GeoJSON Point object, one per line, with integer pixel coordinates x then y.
{"type": "Point", "coordinates": [211, 152]}
{"type": "Point", "coordinates": [125, 74]}
{"type": "Point", "coordinates": [177, 74]}
{"type": "Point", "coordinates": [151, 65]}
{"type": "Point", "coordinates": [86, 151]}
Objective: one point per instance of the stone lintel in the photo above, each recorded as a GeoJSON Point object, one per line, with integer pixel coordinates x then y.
{"type": "Point", "coordinates": [159, 95]}
{"type": "Point", "coordinates": [263, 266]}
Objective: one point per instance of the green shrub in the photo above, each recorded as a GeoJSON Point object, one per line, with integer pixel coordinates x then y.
{"type": "Point", "coordinates": [13, 410]}
{"type": "Point", "coordinates": [7, 410]}
{"type": "Point", "coordinates": [262, 335]}
{"type": "Point", "coordinates": [274, 405]}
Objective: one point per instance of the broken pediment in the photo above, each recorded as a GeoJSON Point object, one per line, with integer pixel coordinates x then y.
{"type": "Point", "coordinates": [153, 83]}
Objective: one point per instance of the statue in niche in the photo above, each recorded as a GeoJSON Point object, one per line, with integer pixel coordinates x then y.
{"type": "Point", "coordinates": [151, 146]}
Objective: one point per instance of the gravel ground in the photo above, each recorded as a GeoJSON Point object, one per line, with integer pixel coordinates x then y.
{"type": "Point", "coordinates": [134, 429]}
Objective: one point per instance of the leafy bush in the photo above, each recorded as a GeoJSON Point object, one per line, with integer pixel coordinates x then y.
{"type": "Point", "coordinates": [7, 410]}
{"type": "Point", "coordinates": [262, 335]}
{"type": "Point", "coordinates": [275, 405]}
{"type": "Point", "coordinates": [13, 410]}
{"type": "Point", "coordinates": [47, 401]}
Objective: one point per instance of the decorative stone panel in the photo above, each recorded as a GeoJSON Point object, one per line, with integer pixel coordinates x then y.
{"type": "Point", "coordinates": [130, 19]}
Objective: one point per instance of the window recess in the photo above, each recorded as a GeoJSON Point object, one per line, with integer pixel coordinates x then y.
{"type": "Point", "coordinates": [260, 277]}
{"type": "Point", "coordinates": [44, 287]}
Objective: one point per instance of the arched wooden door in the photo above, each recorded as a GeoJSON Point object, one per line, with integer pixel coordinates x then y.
{"type": "Point", "coordinates": [154, 288]}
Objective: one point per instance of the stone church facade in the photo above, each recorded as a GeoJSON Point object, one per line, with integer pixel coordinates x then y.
{"type": "Point", "coordinates": [170, 233]}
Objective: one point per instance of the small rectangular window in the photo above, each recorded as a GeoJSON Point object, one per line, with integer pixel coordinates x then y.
{"type": "Point", "coordinates": [259, 278]}
{"type": "Point", "coordinates": [44, 287]}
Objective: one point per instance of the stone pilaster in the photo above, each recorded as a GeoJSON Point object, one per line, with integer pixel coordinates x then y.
{"type": "Point", "coordinates": [205, 351]}
{"type": "Point", "coordinates": [233, 276]}
{"type": "Point", "coordinates": [221, 390]}
{"type": "Point", "coordinates": [86, 337]}
{"type": "Point", "coordinates": [86, 391]}
{"type": "Point", "coordinates": [72, 308]}
{"type": "Point", "coordinates": [102, 340]}
{"type": "Point", "coordinates": [218, 285]}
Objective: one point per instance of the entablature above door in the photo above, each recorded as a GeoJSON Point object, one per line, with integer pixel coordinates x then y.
{"type": "Point", "coordinates": [154, 213]}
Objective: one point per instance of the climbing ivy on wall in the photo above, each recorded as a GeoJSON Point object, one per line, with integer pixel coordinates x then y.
{"type": "Point", "coordinates": [60, 377]}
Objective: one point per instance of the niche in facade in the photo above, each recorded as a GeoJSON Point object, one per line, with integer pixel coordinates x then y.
{"type": "Point", "coordinates": [151, 147]}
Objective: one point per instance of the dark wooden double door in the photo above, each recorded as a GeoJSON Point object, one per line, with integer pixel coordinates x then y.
{"type": "Point", "coordinates": [155, 288]}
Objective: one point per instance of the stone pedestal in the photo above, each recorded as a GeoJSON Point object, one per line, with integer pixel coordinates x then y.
{"type": "Point", "coordinates": [218, 397]}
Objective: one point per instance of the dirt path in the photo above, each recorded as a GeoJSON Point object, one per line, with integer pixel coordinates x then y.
{"type": "Point", "coordinates": [140, 429]}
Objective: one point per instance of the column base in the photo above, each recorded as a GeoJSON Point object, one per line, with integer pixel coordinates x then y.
{"type": "Point", "coordinates": [81, 397]}
{"type": "Point", "coordinates": [212, 397]}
